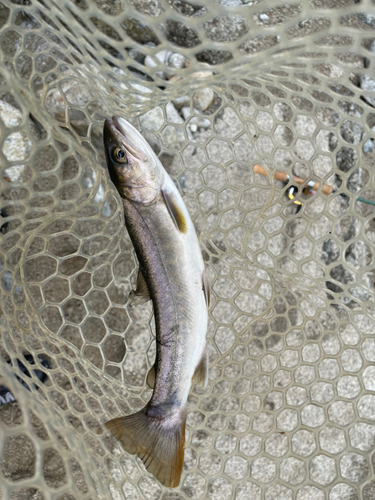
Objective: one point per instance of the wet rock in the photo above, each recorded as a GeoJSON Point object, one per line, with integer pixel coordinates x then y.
{"type": "Point", "coordinates": [346, 159]}
{"type": "Point", "coordinates": [17, 146]}
{"type": "Point", "coordinates": [54, 472]}
{"type": "Point", "coordinates": [10, 115]}
{"type": "Point", "coordinates": [188, 9]}
{"type": "Point", "coordinates": [180, 34]}
{"type": "Point", "coordinates": [201, 74]}
{"type": "Point", "coordinates": [112, 8]}
{"type": "Point", "coordinates": [17, 173]}
{"type": "Point", "coordinates": [152, 120]}
{"type": "Point", "coordinates": [138, 56]}
{"type": "Point", "coordinates": [237, 3]}
{"type": "Point", "coordinates": [226, 28]}
{"type": "Point", "coordinates": [152, 8]}
{"type": "Point", "coordinates": [174, 78]}
{"type": "Point", "coordinates": [139, 32]}
{"type": "Point", "coordinates": [185, 111]}
{"type": "Point", "coordinates": [177, 61]}
{"type": "Point", "coordinates": [18, 458]}
{"type": "Point", "coordinates": [173, 138]}
{"type": "Point", "coordinates": [213, 57]}
{"type": "Point", "coordinates": [168, 58]}
{"type": "Point", "coordinates": [368, 146]}
{"type": "Point", "coordinates": [181, 102]}
{"type": "Point", "coordinates": [203, 98]}
{"type": "Point", "coordinates": [199, 123]}
{"type": "Point", "coordinates": [160, 56]}
{"type": "Point", "coordinates": [172, 114]}
{"type": "Point", "coordinates": [367, 84]}
{"type": "Point", "coordinates": [351, 132]}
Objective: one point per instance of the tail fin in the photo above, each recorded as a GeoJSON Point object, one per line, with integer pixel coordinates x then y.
{"type": "Point", "coordinates": [159, 442]}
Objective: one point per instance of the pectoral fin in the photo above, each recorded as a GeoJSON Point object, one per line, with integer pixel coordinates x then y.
{"type": "Point", "coordinates": [151, 377]}
{"type": "Point", "coordinates": [141, 294]}
{"type": "Point", "coordinates": [201, 372]}
{"type": "Point", "coordinates": [175, 210]}
{"type": "Point", "coordinates": [206, 289]}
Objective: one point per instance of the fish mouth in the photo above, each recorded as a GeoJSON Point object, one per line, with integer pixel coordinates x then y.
{"type": "Point", "coordinates": [120, 131]}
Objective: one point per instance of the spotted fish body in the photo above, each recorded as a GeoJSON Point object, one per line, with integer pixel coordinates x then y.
{"type": "Point", "coordinates": [171, 274]}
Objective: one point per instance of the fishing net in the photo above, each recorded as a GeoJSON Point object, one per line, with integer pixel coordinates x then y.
{"type": "Point", "coordinates": [216, 88]}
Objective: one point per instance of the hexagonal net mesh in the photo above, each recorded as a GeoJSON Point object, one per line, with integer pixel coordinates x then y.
{"type": "Point", "coordinates": [216, 88]}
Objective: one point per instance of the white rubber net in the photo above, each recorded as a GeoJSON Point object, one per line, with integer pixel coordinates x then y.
{"type": "Point", "coordinates": [216, 87]}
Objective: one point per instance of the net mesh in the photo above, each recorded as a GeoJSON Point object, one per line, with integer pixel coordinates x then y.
{"type": "Point", "coordinates": [216, 88]}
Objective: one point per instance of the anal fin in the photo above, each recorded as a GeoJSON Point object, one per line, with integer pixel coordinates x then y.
{"type": "Point", "coordinates": [201, 372]}
{"type": "Point", "coordinates": [141, 294]}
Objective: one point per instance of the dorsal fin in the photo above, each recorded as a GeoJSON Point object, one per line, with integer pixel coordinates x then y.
{"type": "Point", "coordinates": [175, 210]}
{"type": "Point", "coordinates": [206, 289]}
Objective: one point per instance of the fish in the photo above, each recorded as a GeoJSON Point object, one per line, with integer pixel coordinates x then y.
{"type": "Point", "coordinates": [172, 275]}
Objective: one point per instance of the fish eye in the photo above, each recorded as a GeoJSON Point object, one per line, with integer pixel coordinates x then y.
{"type": "Point", "coordinates": [119, 155]}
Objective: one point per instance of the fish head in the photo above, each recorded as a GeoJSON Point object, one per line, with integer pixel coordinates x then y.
{"type": "Point", "coordinates": [133, 166]}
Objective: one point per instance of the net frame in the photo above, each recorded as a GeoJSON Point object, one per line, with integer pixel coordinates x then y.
{"type": "Point", "coordinates": [91, 78]}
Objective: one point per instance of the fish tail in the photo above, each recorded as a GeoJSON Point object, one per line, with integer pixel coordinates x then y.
{"type": "Point", "coordinates": [157, 440]}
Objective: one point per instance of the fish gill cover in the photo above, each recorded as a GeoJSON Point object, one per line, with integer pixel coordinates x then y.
{"type": "Point", "coordinates": [216, 88]}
